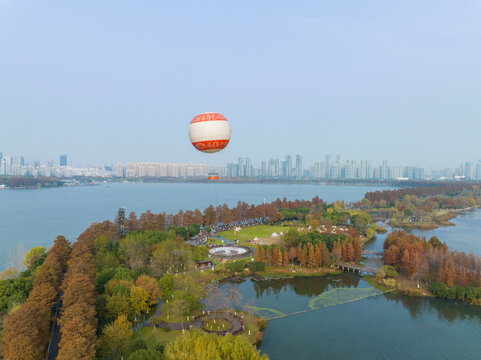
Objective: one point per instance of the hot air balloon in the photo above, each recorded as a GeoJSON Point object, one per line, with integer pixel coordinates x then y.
{"type": "Point", "coordinates": [209, 132]}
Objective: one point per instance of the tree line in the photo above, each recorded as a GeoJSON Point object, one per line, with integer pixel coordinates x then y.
{"type": "Point", "coordinates": [278, 210]}
{"type": "Point", "coordinates": [389, 197]}
{"type": "Point", "coordinates": [431, 261]}
{"type": "Point", "coordinates": [78, 321]}
{"type": "Point", "coordinates": [313, 254]}
{"type": "Point", "coordinates": [26, 331]}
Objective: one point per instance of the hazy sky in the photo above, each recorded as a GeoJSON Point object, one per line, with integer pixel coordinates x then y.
{"type": "Point", "coordinates": [107, 81]}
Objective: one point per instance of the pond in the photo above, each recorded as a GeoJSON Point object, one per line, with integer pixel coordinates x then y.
{"type": "Point", "coordinates": [354, 321]}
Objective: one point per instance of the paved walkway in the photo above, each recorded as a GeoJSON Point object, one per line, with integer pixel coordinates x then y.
{"type": "Point", "coordinates": [235, 321]}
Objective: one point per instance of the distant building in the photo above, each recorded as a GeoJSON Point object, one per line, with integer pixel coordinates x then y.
{"type": "Point", "coordinates": [6, 165]}
{"type": "Point", "coordinates": [469, 170]}
{"type": "Point", "coordinates": [478, 169]}
{"type": "Point", "coordinates": [240, 167]}
{"type": "Point", "coordinates": [287, 166]}
{"type": "Point", "coordinates": [63, 160]}
{"type": "Point", "coordinates": [120, 170]}
{"type": "Point", "coordinates": [298, 166]}
{"type": "Point", "coordinates": [248, 168]}
{"type": "Point", "coordinates": [327, 167]}
{"type": "Point", "coordinates": [156, 170]}
{"type": "Point", "coordinates": [384, 170]}
{"type": "Point", "coordinates": [263, 169]}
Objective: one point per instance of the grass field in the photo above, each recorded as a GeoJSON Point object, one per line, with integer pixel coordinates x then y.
{"type": "Point", "coordinates": [263, 232]}
{"type": "Point", "coordinates": [153, 338]}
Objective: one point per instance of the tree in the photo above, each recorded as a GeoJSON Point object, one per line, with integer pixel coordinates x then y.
{"type": "Point", "coordinates": [15, 256]}
{"type": "Point", "coordinates": [133, 250]}
{"type": "Point", "coordinates": [33, 254]}
{"type": "Point", "coordinates": [311, 257]}
{"type": "Point", "coordinates": [451, 272]}
{"type": "Point", "coordinates": [144, 354]}
{"type": "Point", "coordinates": [392, 255]}
{"type": "Point", "coordinates": [235, 296]}
{"type": "Point", "coordinates": [151, 286]}
{"type": "Point", "coordinates": [326, 259]}
{"type": "Point", "coordinates": [63, 250]}
{"type": "Point", "coordinates": [117, 305]}
{"type": "Point", "coordinates": [357, 249]}
{"type": "Point", "coordinates": [167, 285]}
{"type": "Point", "coordinates": [194, 345]}
{"type": "Point", "coordinates": [285, 259]}
{"type": "Point", "coordinates": [44, 294]}
{"type": "Point", "coordinates": [276, 258]}
{"type": "Point", "coordinates": [26, 328]}
{"type": "Point", "coordinates": [268, 256]}
{"type": "Point", "coordinates": [259, 255]}
{"type": "Point", "coordinates": [462, 279]}
{"type": "Point", "coordinates": [79, 288]}
{"type": "Point", "coordinates": [350, 252]}
{"type": "Point", "coordinates": [210, 216]}
{"type": "Point", "coordinates": [77, 327]}
{"type": "Point", "coordinates": [139, 299]}
{"type": "Point", "coordinates": [114, 341]}
{"type": "Point", "coordinates": [177, 309]}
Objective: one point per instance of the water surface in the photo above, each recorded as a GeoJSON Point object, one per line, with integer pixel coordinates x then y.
{"type": "Point", "coordinates": [380, 327]}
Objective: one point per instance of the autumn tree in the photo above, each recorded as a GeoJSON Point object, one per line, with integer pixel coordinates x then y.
{"type": "Point", "coordinates": [78, 325]}
{"type": "Point", "coordinates": [195, 345]}
{"type": "Point", "coordinates": [285, 259]}
{"type": "Point", "coordinates": [26, 332]}
{"type": "Point", "coordinates": [139, 300]}
{"type": "Point", "coordinates": [114, 341]}
{"type": "Point", "coordinates": [33, 254]}
{"type": "Point", "coordinates": [151, 286]}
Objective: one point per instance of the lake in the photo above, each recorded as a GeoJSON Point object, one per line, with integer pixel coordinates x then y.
{"type": "Point", "coordinates": [36, 217]}
{"type": "Point", "coordinates": [384, 326]}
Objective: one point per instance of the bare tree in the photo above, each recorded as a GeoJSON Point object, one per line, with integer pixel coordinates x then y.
{"type": "Point", "coordinates": [234, 296]}
{"type": "Point", "coordinates": [15, 257]}
{"type": "Point", "coordinates": [215, 299]}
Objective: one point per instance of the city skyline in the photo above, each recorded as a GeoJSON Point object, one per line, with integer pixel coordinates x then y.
{"type": "Point", "coordinates": [288, 167]}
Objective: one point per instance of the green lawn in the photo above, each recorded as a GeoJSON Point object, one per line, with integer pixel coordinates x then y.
{"type": "Point", "coordinates": [249, 233]}
{"type": "Point", "coordinates": [159, 336]}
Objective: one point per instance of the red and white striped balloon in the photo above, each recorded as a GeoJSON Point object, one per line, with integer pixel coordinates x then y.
{"type": "Point", "coordinates": [209, 132]}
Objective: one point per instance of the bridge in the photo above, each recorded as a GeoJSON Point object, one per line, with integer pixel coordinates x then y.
{"type": "Point", "coordinates": [372, 254]}
{"type": "Point", "coordinates": [361, 270]}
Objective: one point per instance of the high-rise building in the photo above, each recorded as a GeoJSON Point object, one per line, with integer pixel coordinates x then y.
{"type": "Point", "coordinates": [248, 170]}
{"type": "Point", "coordinates": [298, 166]}
{"type": "Point", "coordinates": [240, 167]}
{"type": "Point", "coordinates": [469, 170]}
{"type": "Point", "coordinates": [287, 168]}
{"type": "Point", "coordinates": [6, 165]}
{"type": "Point", "coordinates": [478, 169]}
{"type": "Point", "coordinates": [384, 170]}
{"type": "Point", "coordinates": [263, 169]}
{"type": "Point", "coordinates": [63, 160]}
{"type": "Point", "coordinates": [318, 170]}
{"type": "Point", "coordinates": [120, 170]}
{"type": "Point", "coordinates": [328, 167]}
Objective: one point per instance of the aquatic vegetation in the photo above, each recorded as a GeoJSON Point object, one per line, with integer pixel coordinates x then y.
{"type": "Point", "coordinates": [266, 313]}
{"type": "Point", "coordinates": [340, 296]}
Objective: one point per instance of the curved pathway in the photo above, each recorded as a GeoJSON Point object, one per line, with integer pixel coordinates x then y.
{"type": "Point", "coordinates": [197, 323]}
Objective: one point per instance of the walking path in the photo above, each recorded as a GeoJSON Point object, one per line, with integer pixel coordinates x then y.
{"type": "Point", "coordinates": [236, 323]}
